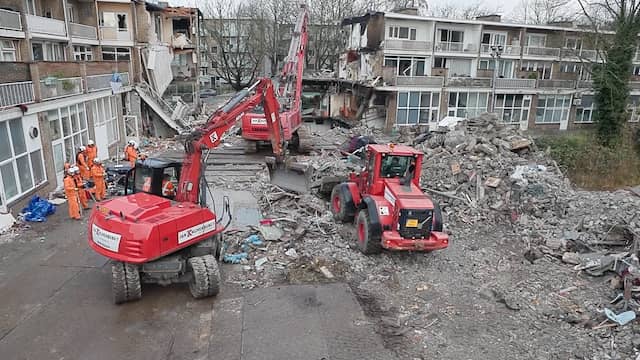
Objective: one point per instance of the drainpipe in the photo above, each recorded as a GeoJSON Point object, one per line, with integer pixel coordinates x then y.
{"type": "Point", "coordinates": [68, 28]}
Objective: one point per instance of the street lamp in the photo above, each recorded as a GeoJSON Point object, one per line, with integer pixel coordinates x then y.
{"type": "Point", "coordinates": [496, 52]}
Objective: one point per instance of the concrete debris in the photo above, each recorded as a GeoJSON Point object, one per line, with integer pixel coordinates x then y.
{"type": "Point", "coordinates": [6, 222]}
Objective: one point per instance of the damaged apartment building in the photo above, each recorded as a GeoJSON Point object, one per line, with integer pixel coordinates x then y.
{"type": "Point", "coordinates": [422, 69]}
{"type": "Point", "coordinates": [75, 70]}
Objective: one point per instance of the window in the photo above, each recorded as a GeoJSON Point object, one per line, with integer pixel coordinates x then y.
{"type": "Point", "coordinates": [110, 53]}
{"type": "Point", "coordinates": [21, 167]}
{"type": "Point", "coordinates": [467, 104]}
{"type": "Point", "coordinates": [68, 127]}
{"type": "Point", "coordinates": [401, 32]}
{"type": "Point", "coordinates": [512, 108]}
{"type": "Point", "coordinates": [8, 51]}
{"type": "Point", "coordinates": [636, 70]}
{"type": "Point", "coordinates": [48, 51]}
{"type": "Point", "coordinates": [494, 38]}
{"type": "Point", "coordinates": [114, 20]}
{"type": "Point", "coordinates": [633, 108]}
{"type": "Point", "coordinates": [542, 68]}
{"type": "Point", "coordinates": [451, 36]}
{"type": "Point", "coordinates": [569, 67]}
{"type": "Point", "coordinates": [440, 62]}
{"type": "Point", "coordinates": [417, 107]}
{"type": "Point", "coordinates": [536, 40]}
{"type": "Point", "coordinates": [552, 109]}
{"type": "Point", "coordinates": [158, 26]}
{"type": "Point", "coordinates": [459, 67]}
{"type": "Point", "coordinates": [573, 43]}
{"type": "Point", "coordinates": [70, 13]}
{"type": "Point", "coordinates": [584, 111]}
{"type": "Point", "coordinates": [406, 66]}
{"type": "Point", "coordinates": [105, 113]}
{"type": "Point", "coordinates": [394, 165]}
{"type": "Point", "coordinates": [82, 53]}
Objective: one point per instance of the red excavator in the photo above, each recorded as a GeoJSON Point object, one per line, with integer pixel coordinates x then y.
{"type": "Point", "coordinates": [254, 125]}
{"type": "Point", "coordinates": [161, 233]}
{"type": "Point", "coordinates": [391, 211]}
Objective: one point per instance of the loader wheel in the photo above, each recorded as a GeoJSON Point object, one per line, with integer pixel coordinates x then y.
{"type": "Point", "coordinates": [125, 282]}
{"type": "Point", "coordinates": [339, 205]}
{"type": "Point", "coordinates": [206, 276]}
{"type": "Point", "coordinates": [367, 242]}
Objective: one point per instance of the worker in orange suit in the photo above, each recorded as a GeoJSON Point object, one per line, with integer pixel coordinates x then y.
{"type": "Point", "coordinates": [92, 152]}
{"type": "Point", "coordinates": [82, 193]}
{"type": "Point", "coordinates": [82, 164]}
{"type": "Point", "coordinates": [168, 190]}
{"type": "Point", "coordinates": [97, 173]}
{"type": "Point", "coordinates": [71, 191]}
{"type": "Point", "coordinates": [131, 153]}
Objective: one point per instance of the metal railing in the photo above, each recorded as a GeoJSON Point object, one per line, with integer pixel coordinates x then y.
{"type": "Point", "coordinates": [541, 51]}
{"type": "Point", "coordinates": [579, 54]}
{"type": "Point", "coordinates": [584, 84]}
{"type": "Point", "coordinates": [506, 49]}
{"type": "Point", "coordinates": [53, 88]}
{"type": "Point", "coordinates": [556, 84]}
{"type": "Point", "coordinates": [102, 82]}
{"type": "Point", "coordinates": [469, 82]}
{"type": "Point", "coordinates": [114, 33]}
{"type": "Point", "coordinates": [43, 25]}
{"type": "Point", "coordinates": [419, 81]}
{"type": "Point", "coordinates": [10, 20]}
{"type": "Point", "coordinates": [515, 83]}
{"type": "Point", "coordinates": [16, 93]}
{"type": "Point", "coordinates": [450, 46]}
{"type": "Point", "coordinates": [397, 44]}
{"type": "Point", "coordinates": [84, 31]}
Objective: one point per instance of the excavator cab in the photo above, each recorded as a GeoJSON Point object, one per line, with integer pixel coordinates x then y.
{"type": "Point", "coordinates": [154, 176]}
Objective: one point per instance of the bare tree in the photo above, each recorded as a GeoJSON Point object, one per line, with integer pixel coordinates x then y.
{"type": "Point", "coordinates": [544, 11]}
{"type": "Point", "coordinates": [229, 27]}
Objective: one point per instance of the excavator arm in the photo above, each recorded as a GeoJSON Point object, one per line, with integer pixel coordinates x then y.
{"type": "Point", "coordinates": [210, 135]}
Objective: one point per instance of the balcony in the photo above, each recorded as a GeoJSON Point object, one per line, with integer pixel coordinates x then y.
{"type": "Point", "coordinates": [556, 84]}
{"type": "Point", "coordinates": [397, 44]}
{"type": "Point", "coordinates": [591, 55]}
{"type": "Point", "coordinates": [10, 20]}
{"type": "Point", "coordinates": [16, 93]}
{"type": "Point", "coordinates": [469, 82]}
{"type": "Point", "coordinates": [430, 81]}
{"type": "Point", "coordinates": [510, 50]}
{"type": "Point", "coordinates": [115, 34]}
{"type": "Point", "coordinates": [515, 83]}
{"type": "Point", "coordinates": [541, 51]}
{"type": "Point", "coordinates": [103, 82]}
{"type": "Point", "coordinates": [634, 85]}
{"type": "Point", "coordinates": [46, 26]}
{"type": "Point", "coordinates": [53, 88]}
{"type": "Point", "coordinates": [454, 47]}
{"type": "Point", "coordinates": [81, 31]}
{"type": "Point", "coordinates": [584, 84]}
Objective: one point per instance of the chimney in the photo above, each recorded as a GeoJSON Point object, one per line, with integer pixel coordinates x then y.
{"type": "Point", "coordinates": [406, 10]}
{"type": "Point", "coordinates": [492, 18]}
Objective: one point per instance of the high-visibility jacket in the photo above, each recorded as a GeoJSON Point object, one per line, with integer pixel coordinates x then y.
{"type": "Point", "coordinates": [168, 189]}
{"type": "Point", "coordinates": [71, 191]}
{"type": "Point", "coordinates": [97, 173]}
{"type": "Point", "coordinates": [81, 161]}
{"type": "Point", "coordinates": [92, 153]}
{"type": "Point", "coordinates": [131, 154]}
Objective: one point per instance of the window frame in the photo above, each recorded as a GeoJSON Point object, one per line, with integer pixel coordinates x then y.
{"type": "Point", "coordinates": [551, 106]}
{"type": "Point", "coordinates": [520, 104]}
{"type": "Point", "coordinates": [395, 31]}
{"type": "Point", "coordinates": [460, 109]}
{"type": "Point", "coordinates": [6, 50]}
{"type": "Point", "coordinates": [432, 110]}
{"type": "Point", "coordinates": [581, 111]}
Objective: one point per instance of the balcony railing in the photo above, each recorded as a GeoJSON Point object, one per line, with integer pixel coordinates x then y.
{"type": "Point", "coordinates": [541, 51]}
{"type": "Point", "coordinates": [635, 85]}
{"type": "Point", "coordinates": [591, 55]}
{"type": "Point", "coordinates": [10, 20]}
{"type": "Point", "coordinates": [43, 25]}
{"type": "Point", "coordinates": [585, 84]}
{"type": "Point", "coordinates": [419, 81]}
{"type": "Point", "coordinates": [515, 83]}
{"type": "Point", "coordinates": [103, 82]}
{"type": "Point", "coordinates": [506, 49]}
{"type": "Point", "coordinates": [114, 33]}
{"type": "Point", "coordinates": [469, 82]}
{"type": "Point", "coordinates": [16, 93]}
{"type": "Point", "coordinates": [52, 88]}
{"type": "Point", "coordinates": [450, 46]}
{"type": "Point", "coordinates": [397, 44]}
{"type": "Point", "coordinates": [84, 31]}
{"type": "Point", "coordinates": [556, 84]}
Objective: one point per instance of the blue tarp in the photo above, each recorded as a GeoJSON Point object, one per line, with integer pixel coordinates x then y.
{"type": "Point", "coordinates": [38, 209]}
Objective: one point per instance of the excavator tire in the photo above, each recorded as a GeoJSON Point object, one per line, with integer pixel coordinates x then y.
{"type": "Point", "coordinates": [339, 205]}
{"type": "Point", "coordinates": [250, 146]}
{"type": "Point", "coordinates": [125, 282]}
{"type": "Point", "coordinates": [206, 276]}
{"type": "Point", "coordinates": [367, 242]}
{"type": "Point", "coordinates": [303, 141]}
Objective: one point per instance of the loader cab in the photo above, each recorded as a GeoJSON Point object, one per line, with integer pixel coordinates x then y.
{"type": "Point", "coordinates": [396, 163]}
{"type": "Point", "coordinates": [154, 176]}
